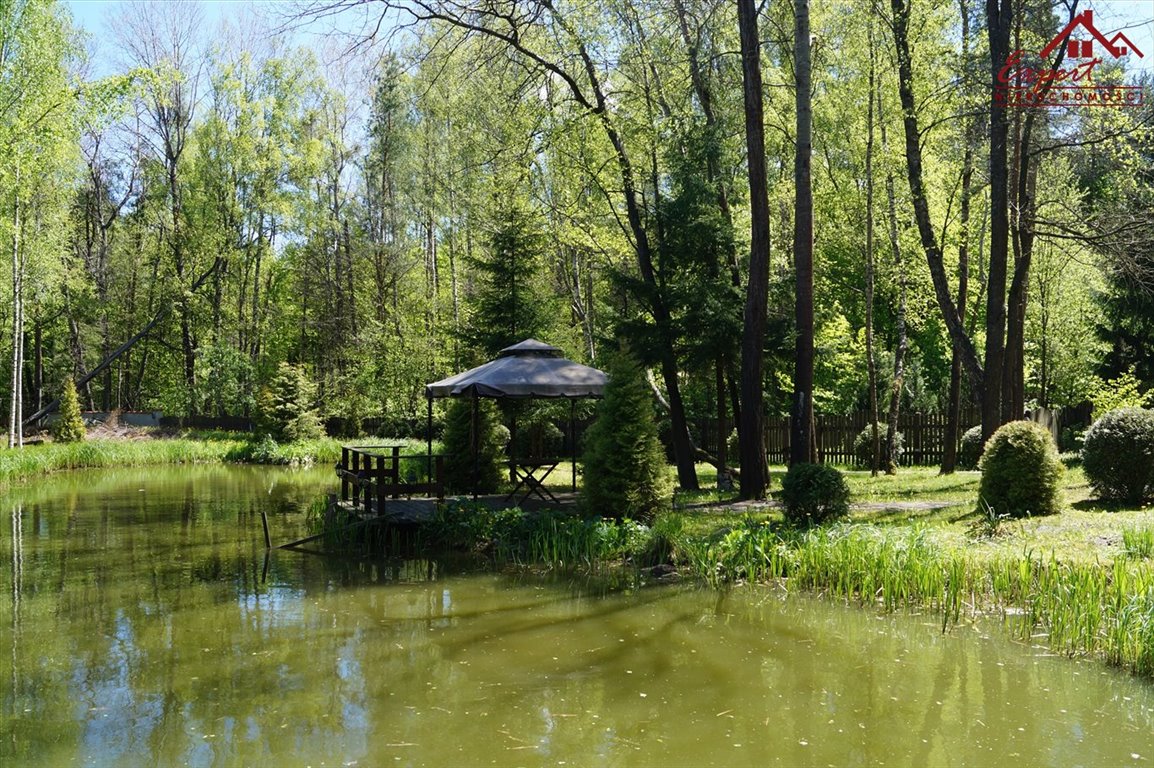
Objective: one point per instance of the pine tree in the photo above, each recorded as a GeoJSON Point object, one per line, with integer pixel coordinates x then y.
{"type": "Point", "coordinates": [510, 303]}
{"type": "Point", "coordinates": [287, 406]}
{"type": "Point", "coordinates": [625, 470]}
{"type": "Point", "coordinates": [69, 427]}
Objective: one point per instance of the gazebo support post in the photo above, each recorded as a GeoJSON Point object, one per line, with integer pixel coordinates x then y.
{"type": "Point", "coordinates": [573, 442]}
{"type": "Point", "coordinates": [513, 442]}
{"type": "Point", "coordinates": [429, 436]}
{"type": "Point", "coordinates": [476, 444]}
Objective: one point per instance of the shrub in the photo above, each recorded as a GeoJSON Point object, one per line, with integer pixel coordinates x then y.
{"type": "Point", "coordinates": [1021, 472]}
{"type": "Point", "coordinates": [463, 471]}
{"type": "Point", "coordinates": [1118, 455]}
{"type": "Point", "coordinates": [814, 494]}
{"type": "Point", "coordinates": [863, 447]}
{"type": "Point", "coordinates": [287, 407]}
{"type": "Point", "coordinates": [625, 470]}
{"type": "Point", "coordinates": [970, 451]}
{"type": "Point", "coordinates": [69, 426]}
{"type": "Point", "coordinates": [1124, 391]}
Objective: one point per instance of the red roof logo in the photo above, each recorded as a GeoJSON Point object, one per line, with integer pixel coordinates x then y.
{"type": "Point", "coordinates": [1117, 46]}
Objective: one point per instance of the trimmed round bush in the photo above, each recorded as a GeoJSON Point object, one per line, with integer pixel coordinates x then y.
{"type": "Point", "coordinates": [814, 494]}
{"type": "Point", "coordinates": [863, 447]}
{"type": "Point", "coordinates": [970, 451]}
{"type": "Point", "coordinates": [1118, 455]}
{"type": "Point", "coordinates": [1021, 471]}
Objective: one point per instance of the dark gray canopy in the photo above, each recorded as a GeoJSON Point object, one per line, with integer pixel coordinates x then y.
{"type": "Point", "coordinates": [528, 369]}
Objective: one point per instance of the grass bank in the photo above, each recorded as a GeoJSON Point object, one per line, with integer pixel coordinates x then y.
{"type": "Point", "coordinates": [22, 464]}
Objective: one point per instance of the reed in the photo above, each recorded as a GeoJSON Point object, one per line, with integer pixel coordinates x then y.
{"type": "Point", "coordinates": [1081, 609]}
{"type": "Point", "coordinates": [21, 464]}
{"type": "Point", "coordinates": [1138, 542]}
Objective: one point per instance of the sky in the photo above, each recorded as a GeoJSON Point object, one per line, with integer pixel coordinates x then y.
{"type": "Point", "coordinates": [1134, 17]}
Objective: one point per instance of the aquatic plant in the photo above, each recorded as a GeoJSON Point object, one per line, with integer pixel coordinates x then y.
{"type": "Point", "coordinates": [1079, 608]}
{"type": "Point", "coordinates": [1138, 542]}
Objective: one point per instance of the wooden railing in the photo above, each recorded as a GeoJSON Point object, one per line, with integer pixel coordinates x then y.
{"type": "Point", "coordinates": [371, 474]}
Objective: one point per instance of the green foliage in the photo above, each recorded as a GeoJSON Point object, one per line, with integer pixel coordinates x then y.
{"type": "Point", "coordinates": [863, 447]}
{"type": "Point", "coordinates": [474, 464]}
{"type": "Point", "coordinates": [1118, 455]}
{"type": "Point", "coordinates": [1124, 391]}
{"type": "Point", "coordinates": [551, 537]}
{"type": "Point", "coordinates": [1021, 471]}
{"type": "Point", "coordinates": [224, 380]}
{"type": "Point", "coordinates": [1138, 542]}
{"type": "Point", "coordinates": [625, 471]}
{"type": "Point", "coordinates": [970, 450]}
{"type": "Point", "coordinates": [288, 406]}
{"type": "Point", "coordinates": [814, 494]}
{"type": "Point", "coordinates": [69, 426]}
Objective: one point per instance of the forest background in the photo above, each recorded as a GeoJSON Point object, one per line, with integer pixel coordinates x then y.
{"type": "Point", "coordinates": [394, 202]}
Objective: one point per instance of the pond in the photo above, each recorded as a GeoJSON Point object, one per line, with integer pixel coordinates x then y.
{"type": "Point", "coordinates": [139, 628]}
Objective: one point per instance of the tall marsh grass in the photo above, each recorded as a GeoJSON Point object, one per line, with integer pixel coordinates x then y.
{"type": "Point", "coordinates": [31, 461]}
{"type": "Point", "coordinates": [1138, 542]}
{"type": "Point", "coordinates": [1080, 608]}
{"type": "Point", "coordinates": [24, 463]}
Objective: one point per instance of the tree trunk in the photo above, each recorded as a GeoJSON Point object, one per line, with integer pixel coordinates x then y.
{"type": "Point", "coordinates": [16, 383]}
{"type": "Point", "coordinates": [871, 363]}
{"type": "Point", "coordinates": [999, 14]}
{"type": "Point", "coordinates": [751, 445]}
{"type": "Point", "coordinates": [958, 335]}
{"type": "Point", "coordinates": [954, 407]}
{"type": "Point", "coordinates": [801, 428]}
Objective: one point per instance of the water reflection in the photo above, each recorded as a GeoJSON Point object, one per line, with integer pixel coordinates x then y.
{"type": "Point", "coordinates": [143, 631]}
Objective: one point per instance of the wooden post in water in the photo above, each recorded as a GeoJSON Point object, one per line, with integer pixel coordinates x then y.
{"type": "Point", "coordinates": [344, 468]}
{"type": "Point", "coordinates": [264, 522]}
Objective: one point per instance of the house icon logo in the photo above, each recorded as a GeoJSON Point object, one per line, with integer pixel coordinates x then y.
{"type": "Point", "coordinates": [1117, 46]}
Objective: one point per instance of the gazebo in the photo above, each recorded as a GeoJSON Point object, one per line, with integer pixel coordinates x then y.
{"type": "Point", "coordinates": [528, 370]}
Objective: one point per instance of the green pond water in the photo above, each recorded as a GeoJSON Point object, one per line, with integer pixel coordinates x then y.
{"type": "Point", "coordinates": [138, 628]}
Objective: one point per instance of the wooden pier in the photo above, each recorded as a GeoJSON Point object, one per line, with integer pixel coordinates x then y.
{"type": "Point", "coordinates": [377, 481]}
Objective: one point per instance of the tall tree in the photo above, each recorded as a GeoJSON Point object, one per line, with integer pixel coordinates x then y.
{"type": "Point", "coordinates": [751, 429]}
{"type": "Point", "coordinates": [999, 21]}
{"type": "Point", "coordinates": [165, 40]}
{"type": "Point", "coordinates": [524, 32]}
{"type": "Point", "coordinates": [801, 429]}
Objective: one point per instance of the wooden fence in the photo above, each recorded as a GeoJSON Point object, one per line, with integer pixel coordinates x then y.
{"type": "Point", "coordinates": [924, 436]}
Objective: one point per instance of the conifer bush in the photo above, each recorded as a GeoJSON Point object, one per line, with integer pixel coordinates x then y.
{"type": "Point", "coordinates": [863, 447]}
{"type": "Point", "coordinates": [69, 426]}
{"type": "Point", "coordinates": [813, 494]}
{"type": "Point", "coordinates": [970, 451]}
{"type": "Point", "coordinates": [625, 471]}
{"type": "Point", "coordinates": [1118, 455]}
{"type": "Point", "coordinates": [287, 407]}
{"type": "Point", "coordinates": [463, 472]}
{"type": "Point", "coordinates": [1021, 471]}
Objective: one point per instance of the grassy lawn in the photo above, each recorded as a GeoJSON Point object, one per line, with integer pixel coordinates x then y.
{"type": "Point", "coordinates": [945, 507]}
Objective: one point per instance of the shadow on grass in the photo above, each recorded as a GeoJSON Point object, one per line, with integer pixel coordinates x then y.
{"type": "Point", "coordinates": [904, 515]}
{"type": "Point", "coordinates": [1103, 505]}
